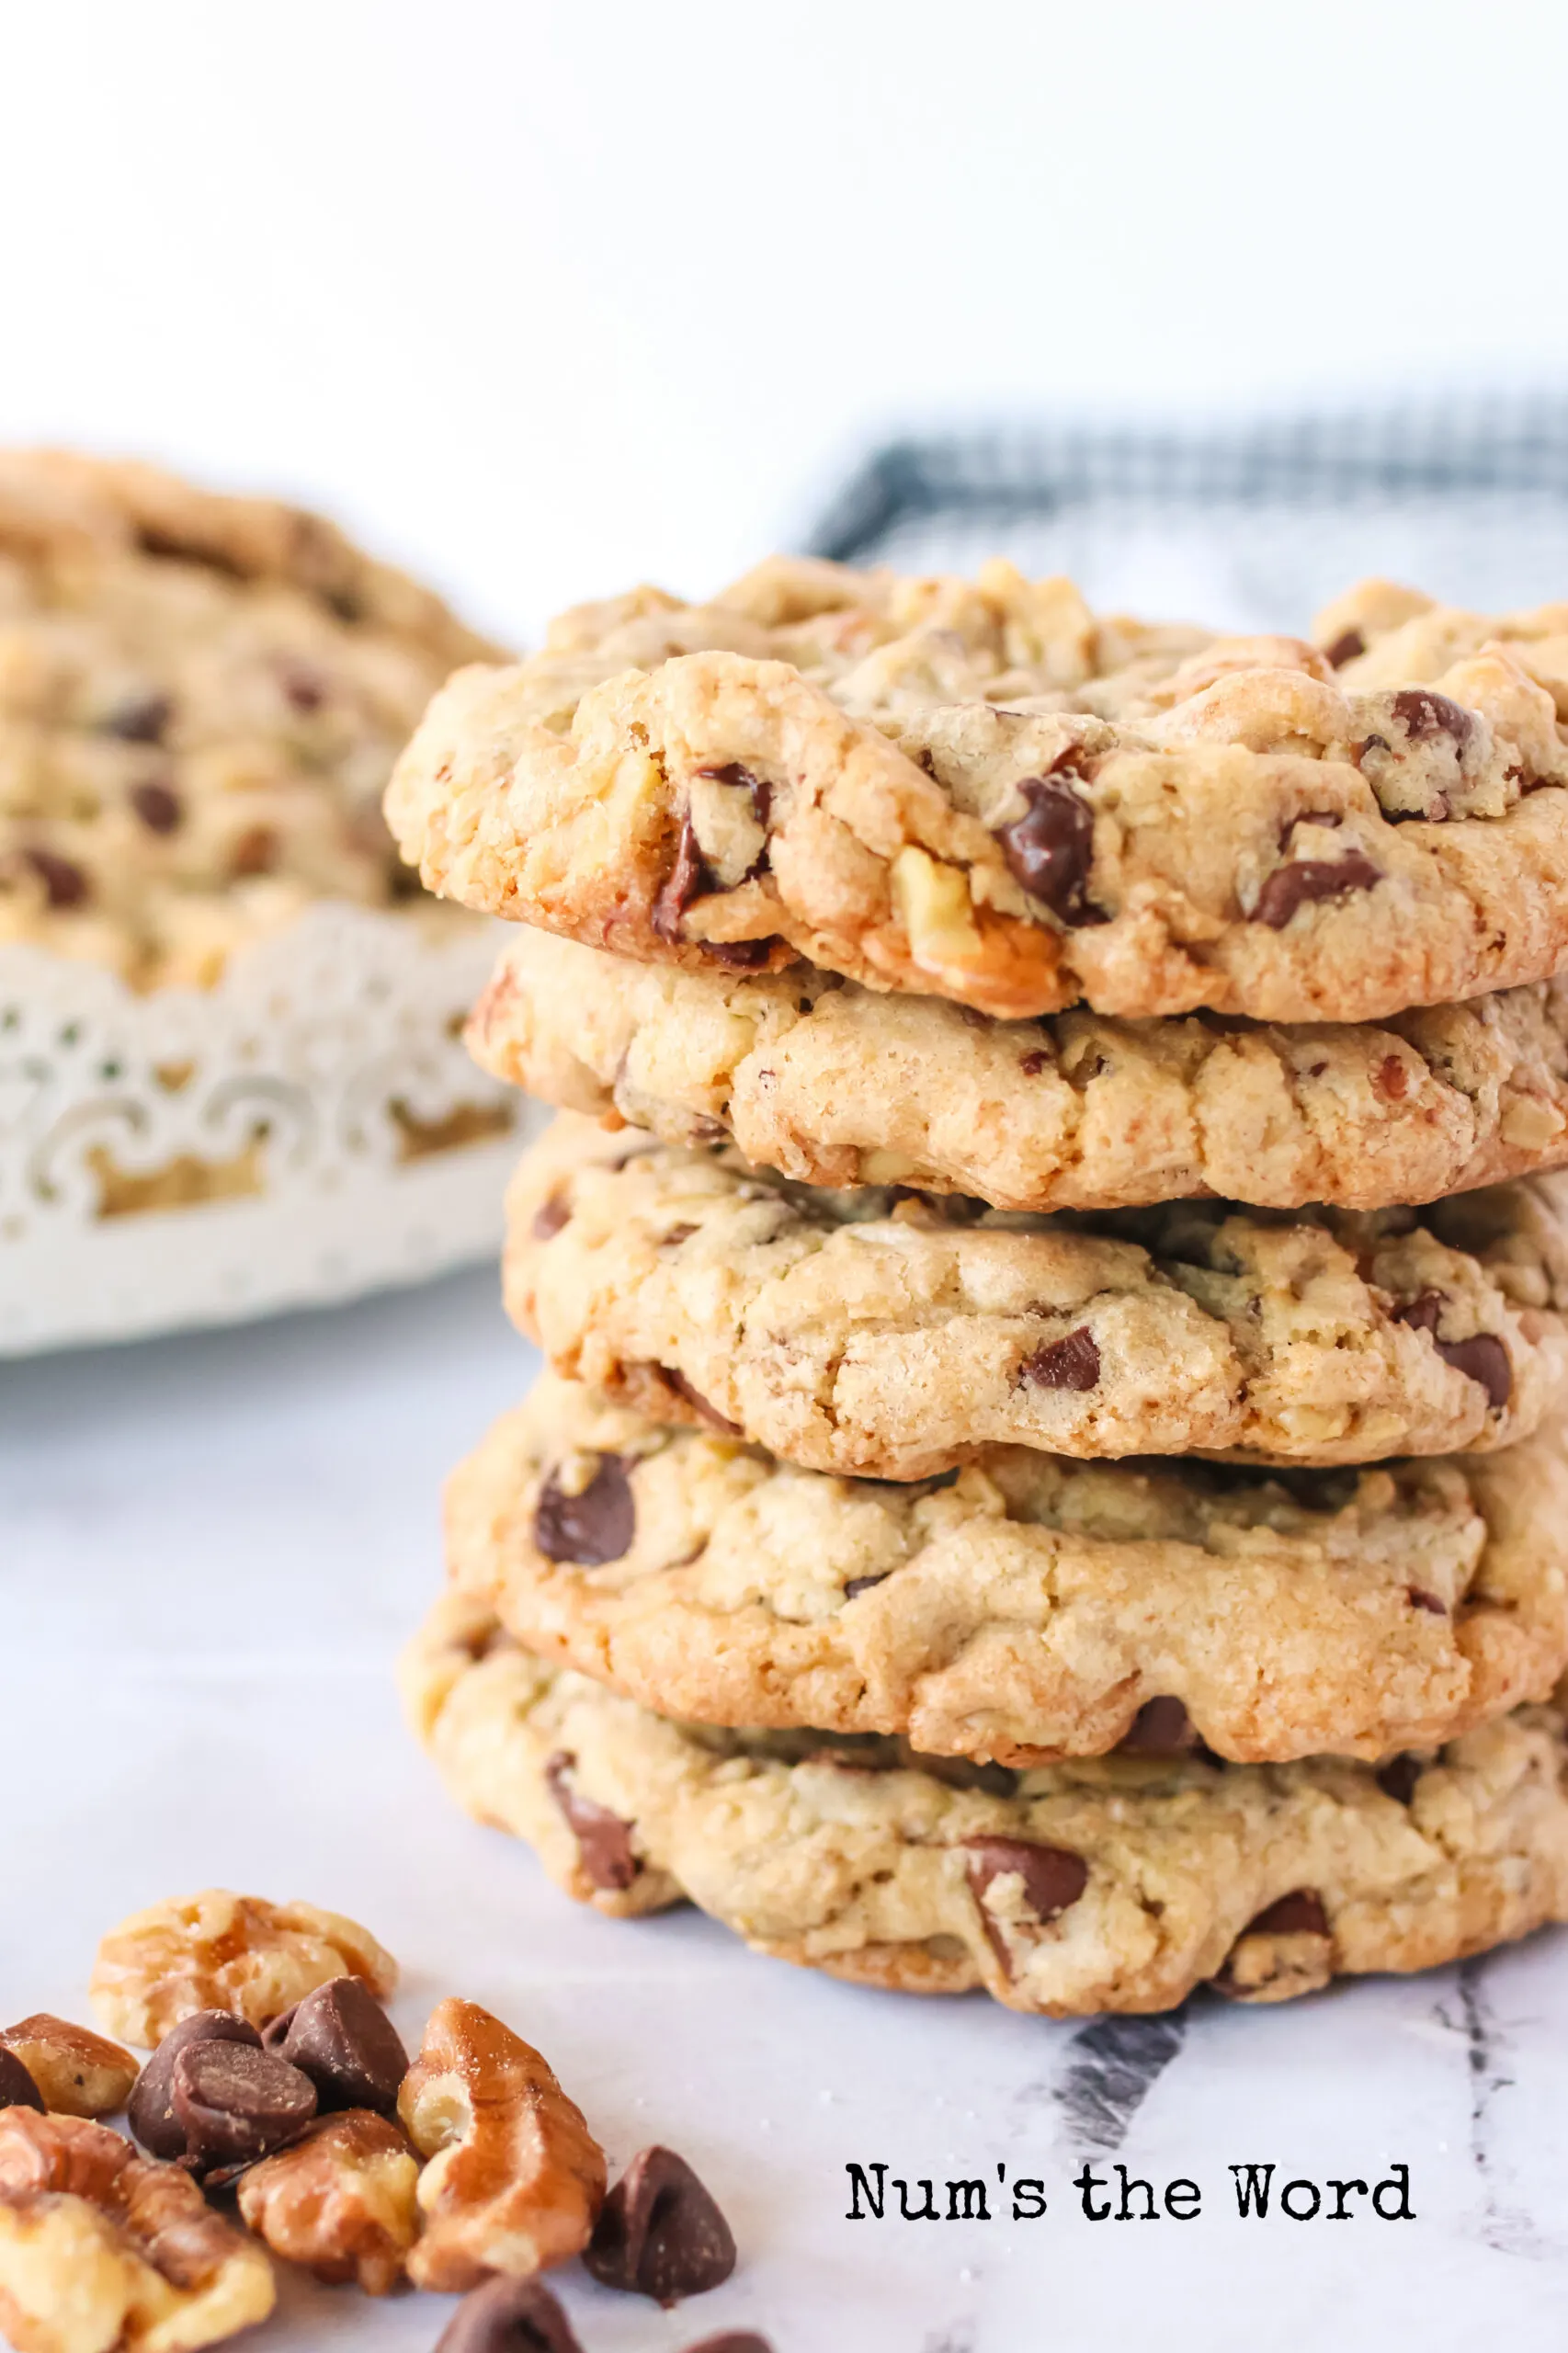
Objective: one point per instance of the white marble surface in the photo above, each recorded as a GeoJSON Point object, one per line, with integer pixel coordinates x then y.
{"type": "Point", "coordinates": [210, 1550]}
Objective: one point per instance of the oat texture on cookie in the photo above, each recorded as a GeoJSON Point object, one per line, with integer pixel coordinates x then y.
{"type": "Point", "coordinates": [1051, 1470]}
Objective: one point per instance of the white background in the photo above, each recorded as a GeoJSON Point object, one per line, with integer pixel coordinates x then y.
{"type": "Point", "coordinates": [544, 299]}
{"type": "Point", "coordinates": [549, 297]}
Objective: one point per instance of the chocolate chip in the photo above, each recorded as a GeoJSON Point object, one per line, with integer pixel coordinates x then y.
{"type": "Point", "coordinates": [589, 1529]}
{"type": "Point", "coordinates": [551, 1216]}
{"type": "Point", "coordinates": [1051, 848]}
{"type": "Point", "coordinates": [343, 2040]}
{"type": "Point", "coordinates": [604, 1840]}
{"type": "Point", "coordinates": [1032, 1064]}
{"type": "Point", "coordinates": [732, 2340]}
{"type": "Point", "coordinates": [1299, 1914]}
{"type": "Point", "coordinates": [1345, 649]}
{"type": "Point", "coordinates": [509, 2317]}
{"type": "Point", "coordinates": [141, 719]}
{"type": "Point", "coordinates": [17, 2088]}
{"type": "Point", "coordinates": [659, 2232]}
{"type": "Point", "coordinates": [158, 808]}
{"type": "Point", "coordinates": [237, 2103]}
{"type": "Point", "coordinates": [275, 2033]}
{"type": "Point", "coordinates": [1053, 1877]}
{"type": "Point", "coordinates": [1290, 887]}
{"type": "Point", "coordinates": [1398, 1777]}
{"type": "Point", "coordinates": [64, 883]}
{"type": "Point", "coordinates": [1482, 1358]}
{"type": "Point", "coordinates": [255, 851]}
{"type": "Point", "coordinates": [1427, 715]}
{"type": "Point", "coordinates": [863, 1584]}
{"type": "Point", "coordinates": [698, 1403]}
{"type": "Point", "coordinates": [1393, 1080]}
{"type": "Point", "coordinates": [1161, 1728]}
{"type": "Point", "coordinates": [1069, 1363]}
{"type": "Point", "coordinates": [305, 688]}
{"type": "Point", "coordinates": [150, 2113]}
{"type": "Point", "coordinates": [681, 884]}
{"type": "Point", "coordinates": [1421, 1599]}
{"type": "Point", "coordinates": [739, 955]}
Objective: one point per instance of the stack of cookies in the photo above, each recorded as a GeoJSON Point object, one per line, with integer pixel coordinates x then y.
{"type": "Point", "coordinates": [1050, 1476]}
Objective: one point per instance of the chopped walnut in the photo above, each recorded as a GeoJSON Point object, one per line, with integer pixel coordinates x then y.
{"type": "Point", "coordinates": [79, 2073]}
{"type": "Point", "coordinates": [341, 2202]}
{"type": "Point", "coordinates": [515, 2178]}
{"type": "Point", "coordinates": [100, 2248]}
{"type": "Point", "coordinates": [219, 1951]}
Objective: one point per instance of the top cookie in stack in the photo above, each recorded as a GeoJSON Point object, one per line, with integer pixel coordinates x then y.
{"type": "Point", "coordinates": [952, 944]}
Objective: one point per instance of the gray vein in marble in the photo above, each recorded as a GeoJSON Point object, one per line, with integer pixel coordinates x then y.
{"type": "Point", "coordinates": [1112, 2066]}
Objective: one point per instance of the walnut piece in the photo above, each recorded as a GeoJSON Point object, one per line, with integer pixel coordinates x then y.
{"type": "Point", "coordinates": [515, 2179]}
{"type": "Point", "coordinates": [218, 1951]}
{"type": "Point", "coordinates": [103, 2251]}
{"type": "Point", "coordinates": [79, 2073]}
{"type": "Point", "coordinates": [340, 2201]}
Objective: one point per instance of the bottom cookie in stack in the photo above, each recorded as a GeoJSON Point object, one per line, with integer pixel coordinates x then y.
{"type": "Point", "coordinates": [885, 1672]}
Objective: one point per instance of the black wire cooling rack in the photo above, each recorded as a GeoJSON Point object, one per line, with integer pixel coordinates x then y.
{"type": "Point", "coordinates": [1247, 525]}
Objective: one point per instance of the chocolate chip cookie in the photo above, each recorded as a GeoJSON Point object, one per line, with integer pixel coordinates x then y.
{"type": "Point", "coordinates": [201, 701]}
{"type": "Point", "coordinates": [840, 1085]}
{"type": "Point", "coordinates": [942, 787]}
{"type": "Point", "coordinates": [1029, 1606]}
{"type": "Point", "coordinates": [893, 1337]}
{"type": "Point", "coordinates": [1119, 1884]}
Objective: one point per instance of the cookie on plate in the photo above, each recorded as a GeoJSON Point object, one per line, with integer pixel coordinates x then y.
{"type": "Point", "coordinates": [1114, 1885]}
{"type": "Point", "coordinates": [892, 1337]}
{"type": "Point", "coordinates": [201, 701]}
{"type": "Point", "coordinates": [1030, 1606]}
{"type": "Point", "coordinates": [1251, 831]}
{"type": "Point", "coordinates": [838, 1085]}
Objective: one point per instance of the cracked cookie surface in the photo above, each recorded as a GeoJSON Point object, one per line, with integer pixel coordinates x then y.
{"type": "Point", "coordinates": [1032, 1605]}
{"type": "Point", "coordinates": [201, 701]}
{"type": "Point", "coordinates": [891, 1336]}
{"type": "Point", "coordinates": [979, 791]}
{"type": "Point", "coordinates": [834, 1085]}
{"type": "Point", "coordinates": [1117, 1885]}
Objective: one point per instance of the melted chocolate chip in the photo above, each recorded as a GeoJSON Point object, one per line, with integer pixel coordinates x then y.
{"type": "Point", "coordinates": [604, 1840]}
{"type": "Point", "coordinates": [1393, 1080]}
{"type": "Point", "coordinates": [254, 852]}
{"type": "Point", "coordinates": [1482, 1358]}
{"type": "Point", "coordinates": [509, 2317]}
{"type": "Point", "coordinates": [1053, 1877]}
{"type": "Point", "coordinates": [17, 2088]}
{"type": "Point", "coordinates": [1299, 1914]}
{"type": "Point", "coordinates": [64, 883]}
{"type": "Point", "coordinates": [1032, 1064]}
{"type": "Point", "coordinates": [698, 1403]}
{"type": "Point", "coordinates": [1051, 848]}
{"type": "Point", "coordinates": [141, 719]}
{"type": "Point", "coordinates": [1420, 1599]}
{"type": "Point", "coordinates": [732, 2340]}
{"type": "Point", "coordinates": [151, 2112]}
{"type": "Point", "coordinates": [237, 2102]}
{"type": "Point", "coordinates": [1161, 1728]}
{"type": "Point", "coordinates": [1310, 879]}
{"type": "Point", "coordinates": [1345, 649]}
{"type": "Point", "coordinates": [660, 2233]}
{"type": "Point", "coordinates": [680, 886]}
{"type": "Point", "coordinates": [1069, 1363]}
{"type": "Point", "coordinates": [343, 2040]}
{"type": "Point", "coordinates": [158, 807]}
{"type": "Point", "coordinates": [551, 1216]}
{"type": "Point", "coordinates": [305, 688]}
{"type": "Point", "coordinates": [1398, 1777]}
{"type": "Point", "coordinates": [589, 1528]}
{"type": "Point", "coordinates": [1427, 715]}
{"type": "Point", "coordinates": [863, 1584]}
{"type": "Point", "coordinates": [739, 955]}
